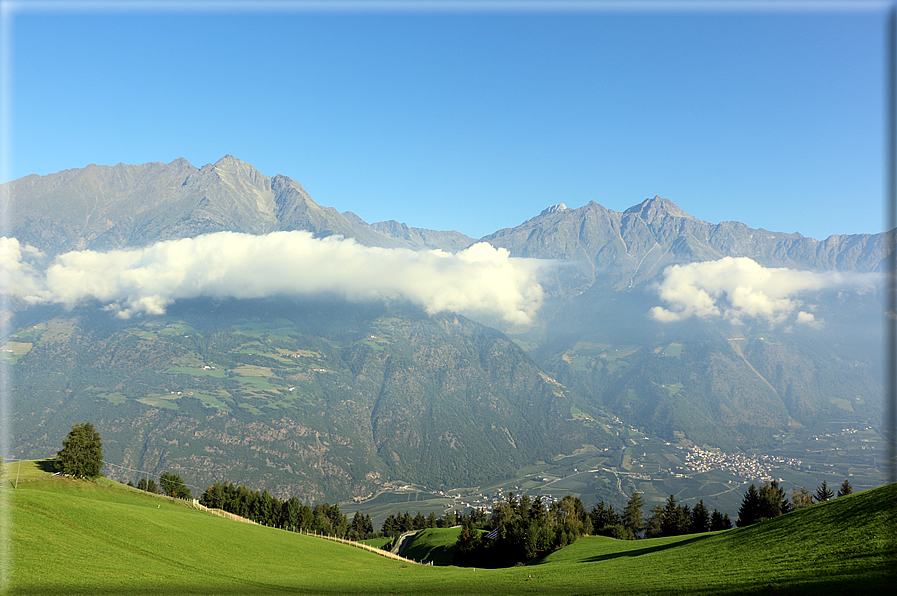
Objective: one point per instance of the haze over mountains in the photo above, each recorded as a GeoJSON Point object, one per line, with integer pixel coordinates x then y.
{"type": "Point", "coordinates": [255, 343]}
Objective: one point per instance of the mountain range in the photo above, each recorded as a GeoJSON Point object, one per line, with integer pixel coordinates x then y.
{"type": "Point", "coordinates": [322, 397]}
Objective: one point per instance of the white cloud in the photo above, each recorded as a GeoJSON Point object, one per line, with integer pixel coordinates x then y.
{"type": "Point", "coordinates": [480, 279]}
{"type": "Point", "coordinates": [739, 288]}
{"type": "Point", "coordinates": [18, 276]}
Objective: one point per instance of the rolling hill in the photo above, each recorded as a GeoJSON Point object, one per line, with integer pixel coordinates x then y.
{"type": "Point", "coordinates": [74, 537]}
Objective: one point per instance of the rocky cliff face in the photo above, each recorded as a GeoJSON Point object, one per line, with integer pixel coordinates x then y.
{"type": "Point", "coordinates": [633, 247]}
{"type": "Point", "coordinates": [102, 207]}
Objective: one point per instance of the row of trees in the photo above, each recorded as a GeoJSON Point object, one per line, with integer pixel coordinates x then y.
{"type": "Point", "coordinates": [170, 484]}
{"type": "Point", "coordinates": [291, 514]}
{"type": "Point", "coordinates": [770, 501]}
{"type": "Point", "coordinates": [672, 519]}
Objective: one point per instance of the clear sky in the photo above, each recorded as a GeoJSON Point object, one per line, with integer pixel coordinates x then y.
{"type": "Point", "coordinates": [449, 116]}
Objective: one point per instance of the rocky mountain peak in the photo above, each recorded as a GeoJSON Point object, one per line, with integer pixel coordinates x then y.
{"type": "Point", "coordinates": [554, 209]}
{"type": "Point", "coordinates": [651, 209]}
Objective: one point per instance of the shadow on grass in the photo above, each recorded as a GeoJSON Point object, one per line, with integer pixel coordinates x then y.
{"type": "Point", "coordinates": [51, 465]}
{"type": "Point", "coordinates": [643, 551]}
{"type": "Point", "coordinates": [830, 584]}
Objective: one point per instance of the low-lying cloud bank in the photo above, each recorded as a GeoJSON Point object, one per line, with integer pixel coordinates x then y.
{"type": "Point", "coordinates": [736, 289]}
{"type": "Point", "coordinates": [480, 279]}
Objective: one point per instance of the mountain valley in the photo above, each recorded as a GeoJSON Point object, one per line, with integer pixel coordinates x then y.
{"type": "Point", "coordinates": [328, 398]}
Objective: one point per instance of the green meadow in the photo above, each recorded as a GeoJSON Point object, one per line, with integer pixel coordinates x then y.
{"type": "Point", "coordinates": [76, 537]}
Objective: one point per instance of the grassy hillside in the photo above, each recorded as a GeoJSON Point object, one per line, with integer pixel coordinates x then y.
{"type": "Point", "coordinates": [436, 545]}
{"type": "Point", "coordinates": [73, 537]}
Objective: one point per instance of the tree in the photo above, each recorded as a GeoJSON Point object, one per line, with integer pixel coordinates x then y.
{"type": "Point", "coordinates": [173, 486]}
{"type": "Point", "coordinates": [773, 501]}
{"type": "Point", "coordinates": [700, 518]}
{"type": "Point", "coordinates": [824, 493]}
{"type": "Point", "coordinates": [653, 527]}
{"type": "Point", "coordinates": [632, 514]}
{"type": "Point", "coordinates": [719, 521]}
{"type": "Point", "coordinates": [801, 498]}
{"type": "Point", "coordinates": [82, 452]}
{"type": "Point", "coordinates": [845, 489]}
{"type": "Point", "coordinates": [467, 545]}
{"type": "Point", "coordinates": [749, 512]}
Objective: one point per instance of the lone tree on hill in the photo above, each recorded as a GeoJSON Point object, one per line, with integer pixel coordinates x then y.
{"type": "Point", "coordinates": [82, 452]}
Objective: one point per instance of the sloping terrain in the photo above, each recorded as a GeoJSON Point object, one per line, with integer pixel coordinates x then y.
{"type": "Point", "coordinates": [325, 399]}
{"type": "Point", "coordinates": [318, 400]}
{"type": "Point", "coordinates": [74, 537]}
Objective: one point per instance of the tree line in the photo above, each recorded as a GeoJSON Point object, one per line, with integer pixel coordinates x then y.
{"type": "Point", "coordinates": [517, 530]}
{"type": "Point", "coordinates": [290, 514]}
{"type": "Point", "coordinates": [770, 501]}
{"type": "Point", "coordinates": [520, 529]}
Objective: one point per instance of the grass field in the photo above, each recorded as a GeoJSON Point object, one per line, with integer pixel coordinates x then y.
{"type": "Point", "coordinates": [76, 537]}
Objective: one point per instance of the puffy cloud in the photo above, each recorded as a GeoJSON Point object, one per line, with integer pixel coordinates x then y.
{"type": "Point", "coordinates": [740, 288]}
{"type": "Point", "coordinates": [480, 279]}
{"type": "Point", "coordinates": [18, 276]}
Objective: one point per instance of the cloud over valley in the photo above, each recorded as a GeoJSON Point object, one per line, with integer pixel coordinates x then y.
{"type": "Point", "coordinates": [480, 279]}
{"type": "Point", "coordinates": [736, 289]}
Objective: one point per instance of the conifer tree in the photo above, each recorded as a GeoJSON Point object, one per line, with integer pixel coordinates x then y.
{"type": "Point", "coordinates": [653, 526]}
{"type": "Point", "coordinates": [718, 521]}
{"type": "Point", "coordinates": [845, 489]}
{"type": "Point", "coordinates": [773, 501]}
{"type": "Point", "coordinates": [824, 493]}
{"type": "Point", "coordinates": [700, 518]}
{"type": "Point", "coordinates": [669, 522]}
{"type": "Point", "coordinates": [749, 512]}
{"type": "Point", "coordinates": [467, 545]}
{"type": "Point", "coordinates": [632, 514]}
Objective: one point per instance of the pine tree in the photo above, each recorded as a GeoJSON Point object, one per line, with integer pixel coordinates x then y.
{"type": "Point", "coordinates": [773, 501]}
{"type": "Point", "coordinates": [669, 521]}
{"type": "Point", "coordinates": [419, 522]}
{"type": "Point", "coordinates": [81, 455]}
{"type": "Point", "coordinates": [824, 493]}
{"type": "Point", "coordinates": [749, 512]}
{"type": "Point", "coordinates": [632, 514]}
{"type": "Point", "coordinates": [845, 489]}
{"type": "Point", "coordinates": [468, 543]}
{"type": "Point", "coordinates": [700, 518]}
{"type": "Point", "coordinates": [653, 526]}
{"type": "Point", "coordinates": [718, 521]}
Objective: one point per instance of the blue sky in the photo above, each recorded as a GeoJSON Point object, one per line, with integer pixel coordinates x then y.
{"type": "Point", "coordinates": [472, 120]}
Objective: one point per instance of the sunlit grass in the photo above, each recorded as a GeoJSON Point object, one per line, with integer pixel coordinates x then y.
{"type": "Point", "coordinates": [75, 537]}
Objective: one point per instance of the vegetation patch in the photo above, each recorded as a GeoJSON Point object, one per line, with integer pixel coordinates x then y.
{"type": "Point", "coordinates": [167, 401]}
